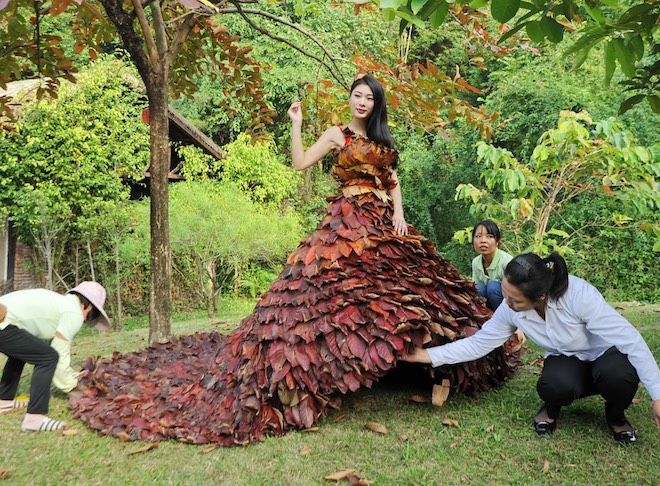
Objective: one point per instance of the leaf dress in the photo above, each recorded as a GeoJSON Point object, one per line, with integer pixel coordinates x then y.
{"type": "Point", "coordinates": [351, 297]}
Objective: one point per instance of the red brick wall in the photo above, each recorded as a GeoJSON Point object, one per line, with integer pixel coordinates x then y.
{"type": "Point", "coordinates": [24, 274]}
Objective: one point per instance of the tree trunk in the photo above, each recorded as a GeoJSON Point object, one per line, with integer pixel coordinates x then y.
{"type": "Point", "coordinates": [160, 306]}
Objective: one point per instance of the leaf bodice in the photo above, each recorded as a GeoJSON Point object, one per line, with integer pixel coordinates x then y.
{"type": "Point", "coordinates": [364, 165]}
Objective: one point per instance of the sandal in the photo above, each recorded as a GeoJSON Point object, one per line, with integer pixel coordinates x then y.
{"type": "Point", "coordinates": [625, 437]}
{"type": "Point", "coordinates": [47, 425]}
{"type": "Point", "coordinates": [15, 405]}
{"type": "Point", "coordinates": [543, 427]}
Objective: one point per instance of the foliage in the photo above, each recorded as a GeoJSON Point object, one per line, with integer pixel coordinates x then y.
{"type": "Point", "coordinates": [627, 28]}
{"type": "Point", "coordinates": [256, 169]}
{"type": "Point", "coordinates": [529, 91]}
{"type": "Point", "coordinates": [569, 161]}
{"type": "Point", "coordinates": [65, 164]}
{"type": "Point", "coordinates": [211, 243]}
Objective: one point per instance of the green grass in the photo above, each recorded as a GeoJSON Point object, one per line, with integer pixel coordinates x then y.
{"type": "Point", "coordinates": [493, 444]}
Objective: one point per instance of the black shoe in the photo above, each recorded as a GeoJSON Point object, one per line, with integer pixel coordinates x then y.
{"type": "Point", "coordinates": [625, 437]}
{"type": "Point", "coordinates": [542, 427]}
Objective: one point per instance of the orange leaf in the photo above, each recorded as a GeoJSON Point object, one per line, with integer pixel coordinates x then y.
{"type": "Point", "coordinates": [450, 422]}
{"type": "Point", "coordinates": [4, 473]}
{"type": "Point", "coordinates": [376, 427]}
{"type": "Point", "coordinates": [440, 393]}
{"type": "Point", "coordinates": [339, 475]}
{"type": "Point", "coordinates": [207, 450]}
{"type": "Point", "coordinates": [146, 448]}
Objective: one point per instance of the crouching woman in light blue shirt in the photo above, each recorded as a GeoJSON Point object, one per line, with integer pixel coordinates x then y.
{"type": "Point", "coordinates": [589, 347]}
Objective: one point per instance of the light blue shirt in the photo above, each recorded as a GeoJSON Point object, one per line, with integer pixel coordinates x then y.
{"type": "Point", "coordinates": [581, 324]}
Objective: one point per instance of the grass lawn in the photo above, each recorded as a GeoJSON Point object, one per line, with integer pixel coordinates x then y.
{"type": "Point", "coordinates": [493, 442]}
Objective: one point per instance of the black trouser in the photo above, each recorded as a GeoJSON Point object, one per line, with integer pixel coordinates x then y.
{"type": "Point", "coordinates": [22, 347]}
{"type": "Point", "coordinates": [566, 378]}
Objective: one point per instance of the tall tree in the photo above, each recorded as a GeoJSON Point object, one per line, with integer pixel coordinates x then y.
{"type": "Point", "coordinates": [169, 43]}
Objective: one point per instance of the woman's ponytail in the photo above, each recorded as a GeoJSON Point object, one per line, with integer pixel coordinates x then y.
{"type": "Point", "coordinates": [557, 264]}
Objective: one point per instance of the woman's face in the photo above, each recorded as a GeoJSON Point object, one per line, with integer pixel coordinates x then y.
{"type": "Point", "coordinates": [362, 102]}
{"type": "Point", "coordinates": [484, 242]}
{"type": "Point", "coordinates": [515, 299]}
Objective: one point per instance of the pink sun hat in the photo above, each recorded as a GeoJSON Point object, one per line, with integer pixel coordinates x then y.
{"type": "Point", "coordinates": [95, 293]}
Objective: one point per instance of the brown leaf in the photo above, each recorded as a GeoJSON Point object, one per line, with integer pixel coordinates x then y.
{"type": "Point", "coordinates": [304, 451]}
{"type": "Point", "coordinates": [339, 419]}
{"type": "Point", "coordinates": [636, 401]}
{"type": "Point", "coordinates": [207, 450]}
{"type": "Point", "coordinates": [490, 429]}
{"type": "Point", "coordinates": [146, 448]}
{"type": "Point", "coordinates": [123, 436]}
{"type": "Point", "coordinates": [70, 432]}
{"type": "Point", "coordinates": [450, 422]}
{"type": "Point", "coordinates": [546, 466]}
{"type": "Point", "coordinates": [453, 445]}
{"type": "Point", "coordinates": [4, 473]}
{"type": "Point", "coordinates": [440, 393]}
{"type": "Point", "coordinates": [376, 427]}
{"type": "Point", "coordinates": [403, 437]}
{"type": "Point", "coordinates": [311, 429]}
{"type": "Point", "coordinates": [339, 475]}
{"type": "Point", "coordinates": [418, 399]}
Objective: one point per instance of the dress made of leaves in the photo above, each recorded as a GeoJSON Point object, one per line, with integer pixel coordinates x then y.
{"type": "Point", "coordinates": [352, 296]}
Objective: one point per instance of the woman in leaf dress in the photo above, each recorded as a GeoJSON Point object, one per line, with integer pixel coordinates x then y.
{"type": "Point", "coordinates": [353, 296]}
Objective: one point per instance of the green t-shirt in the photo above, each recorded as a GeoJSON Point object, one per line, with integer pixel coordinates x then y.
{"type": "Point", "coordinates": [495, 270]}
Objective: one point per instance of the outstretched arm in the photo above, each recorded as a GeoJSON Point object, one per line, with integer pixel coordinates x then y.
{"type": "Point", "coordinates": [331, 139]}
{"type": "Point", "coordinates": [398, 220]}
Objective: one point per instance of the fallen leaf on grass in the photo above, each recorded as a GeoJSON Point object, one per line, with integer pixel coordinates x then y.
{"type": "Point", "coordinates": [636, 401]}
{"type": "Point", "coordinates": [465, 479]}
{"type": "Point", "coordinates": [304, 451]}
{"type": "Point", "coordinates": [70, 432]}
{"type": "Point", "coordinates": [450, 422]}
{"type": "Point", "coordinates": [403, 437]}
{"type": "Point", "coordinates": [546, 466]}
{"type": "Point", "coordinates": [146, 448]}
{"type": "Point", "coordinates": [490, 429]}
{"type": "Point", "coordinates": [339, 475]}
{"type": "Point", "coordinates": [418, 399]}
{"type": "Point", "coordinates": [4, 473]}
{"type": "Point", "coordinates": [440, 393]}
{"type": "Point", "coordinates": [311, 429]}
{"type": "Point", "coordinates": [376, 427]}
{"type": "Point", "coordinates": [453, 445]}
{"type": "Point", "coordinates": [339, 419]}
{"type": "Point", "coordinates": [355, 480]}
{"type": "Point", "coordinates": [207, 450]}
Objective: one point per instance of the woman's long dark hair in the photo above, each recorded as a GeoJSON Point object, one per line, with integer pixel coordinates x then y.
{"type": "Point", "coordinates": [535, 276]}
{"type": "Point", "coordinates": [377, 129]}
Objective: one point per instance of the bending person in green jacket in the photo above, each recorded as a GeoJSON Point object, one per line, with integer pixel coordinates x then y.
{"type": "Point", "coordinates": [38, 327]}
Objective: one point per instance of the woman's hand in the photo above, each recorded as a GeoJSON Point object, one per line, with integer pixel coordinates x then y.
{"type": "Point", "coordinates": [656, 412]}
{"type": "Point", "coordinates": [399, 223]}
{"type": "Point", "coordinates": [295, 112]}
{"type": "Point", "coordinates": [417, 355]}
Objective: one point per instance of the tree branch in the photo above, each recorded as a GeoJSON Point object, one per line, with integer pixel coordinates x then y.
{"type": "Point", "coordinates": [159, 29]}
{"type": "Point", "coordinates": [334, 69]}
{"type": "Point", "coordinates": [146, 30]}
